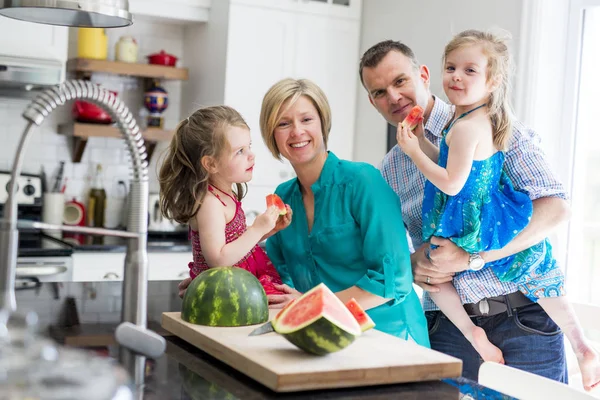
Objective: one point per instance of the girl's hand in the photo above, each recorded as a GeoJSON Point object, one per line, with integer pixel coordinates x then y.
{"type": "Point", "coordinates": [281, 300]}
{"type": "Point", "coordinates": [408, 141]}
{"type": "Point", "coordinates": [283, 221]}
{"type": "Point", "coordinates": [266, 221]}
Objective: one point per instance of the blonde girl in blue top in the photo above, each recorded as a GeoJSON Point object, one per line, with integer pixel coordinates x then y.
{"type": "Point", "coordinates": [347, 231]}
{"type": "Point", "coordinates": [470, 200]}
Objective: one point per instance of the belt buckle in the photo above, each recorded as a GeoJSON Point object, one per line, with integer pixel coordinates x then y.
{"type": "Point", "coordinates": [484, 307]}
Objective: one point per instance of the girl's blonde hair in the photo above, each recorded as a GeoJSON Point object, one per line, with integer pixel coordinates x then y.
{"type": "Point", "coordinates": [292, 89]}
{"type": "Point", "coordinates": [499, 69]}
{"type": "Point", "coordinates": [182, 178]}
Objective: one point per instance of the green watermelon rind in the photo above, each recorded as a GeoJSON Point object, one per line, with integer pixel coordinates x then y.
{"type": "Point", "coordinates": [321, 337]}
{"type": "Point", "coordinates": [237, 300]}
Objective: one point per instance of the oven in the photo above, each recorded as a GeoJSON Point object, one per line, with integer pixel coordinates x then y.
{"type": "Point", "coordinates": [41, 257]}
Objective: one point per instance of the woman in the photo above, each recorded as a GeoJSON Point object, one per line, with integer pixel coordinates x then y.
{"type": "Point", "coordinates": [347, 230]}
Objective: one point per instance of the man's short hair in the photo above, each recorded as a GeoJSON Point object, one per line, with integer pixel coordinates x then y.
{"type": "Point", "coordinates": [373, 56]}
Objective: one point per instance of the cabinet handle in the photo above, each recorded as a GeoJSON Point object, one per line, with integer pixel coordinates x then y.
{"type": "Point", "coordinates": [111, 275]}
{"type": "Point", "coordinates": [182, 274]}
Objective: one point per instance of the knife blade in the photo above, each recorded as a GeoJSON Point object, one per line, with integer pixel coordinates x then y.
{"type": "Point", "coordinates": [266, 328]}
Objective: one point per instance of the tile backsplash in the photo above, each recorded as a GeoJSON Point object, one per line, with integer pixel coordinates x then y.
{"type": "Point", "coordinates": [47, 146]}
{"type": "Point", "coordinates": [96, 302]}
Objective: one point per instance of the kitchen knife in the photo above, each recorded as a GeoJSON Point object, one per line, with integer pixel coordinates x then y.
{"type": "Point", "coordinates": [266, 328]}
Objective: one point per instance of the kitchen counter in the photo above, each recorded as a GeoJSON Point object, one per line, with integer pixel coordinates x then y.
{"type": "Point", "coordinates": [169, 243]}
{"type": "Point", "coordinates": [185, 372]}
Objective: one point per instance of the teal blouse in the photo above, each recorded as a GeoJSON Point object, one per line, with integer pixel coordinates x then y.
{"type": "Point", "coordinates": [358, 239]}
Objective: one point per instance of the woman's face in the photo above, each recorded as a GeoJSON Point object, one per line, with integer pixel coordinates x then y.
{"type": "Point", "coordinates": [299, 135]}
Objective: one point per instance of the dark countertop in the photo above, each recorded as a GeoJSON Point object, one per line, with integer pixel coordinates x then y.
{"type": "Point", "coordinates": [187, 373]}
{"type": "Point", "coordinates": [168, 242]}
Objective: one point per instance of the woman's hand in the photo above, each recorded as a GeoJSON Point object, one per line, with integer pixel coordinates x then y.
{"type": "Point", "coordinates": [281, 300]}
{"type": "Point", "coordinates": [284, 220]}
{"type": "Point", "coordinates": [183, 286]}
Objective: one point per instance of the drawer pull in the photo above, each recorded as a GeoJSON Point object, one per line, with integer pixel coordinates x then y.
{"type": "Point", "coordinates": [183, 274]}
{"type": "Point", "coordinates": [111, 275]}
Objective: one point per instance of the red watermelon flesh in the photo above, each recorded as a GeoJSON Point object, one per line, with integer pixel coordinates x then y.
{"type": "Point", "coordinates": [316, 303]}
{"type": "Point", "coordinates": [317, 322]}
{"type": "Point", "coordinates": [280, 313]}
{"type": "Point", "coordinates": [274, 200]}
{"type": "Point", "coordinates": [361, 316]}
{"type": "Point", "coordinates": [414, 117]}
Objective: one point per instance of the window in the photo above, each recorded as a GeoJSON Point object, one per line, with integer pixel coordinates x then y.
{"type": "Point", "coordinates": [583, 248]}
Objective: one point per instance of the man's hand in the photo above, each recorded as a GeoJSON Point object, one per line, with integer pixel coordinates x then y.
{"type": "Point", "coordinates": [447, 256]}
{"type": "Point", "coordinates": [280, 300]}
{"type": "Point", "coordinates": [183, 286]}
{"type": "Point", "coordinates": [425, 274]}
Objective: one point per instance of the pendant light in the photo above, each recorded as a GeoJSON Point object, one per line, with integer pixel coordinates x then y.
{"type": "Point", "coordinates": [76, 13]}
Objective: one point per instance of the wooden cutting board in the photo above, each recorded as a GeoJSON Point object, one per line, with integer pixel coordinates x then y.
{"type": "Point", "coordinates": [375, 358]}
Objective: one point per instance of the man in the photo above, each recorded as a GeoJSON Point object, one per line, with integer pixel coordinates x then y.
{"type": "Point", "coordinates": [528, 338]}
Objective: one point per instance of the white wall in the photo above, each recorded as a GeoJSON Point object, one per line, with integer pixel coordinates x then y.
{"type": "Point", "coordinates": [426, 27]}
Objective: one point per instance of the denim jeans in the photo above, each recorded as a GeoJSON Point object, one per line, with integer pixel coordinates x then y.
{"type": "Point", "coordinates": [527, 337]}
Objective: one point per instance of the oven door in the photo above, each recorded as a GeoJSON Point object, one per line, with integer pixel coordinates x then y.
{"type": "Point", "coordinates": [45, 269]}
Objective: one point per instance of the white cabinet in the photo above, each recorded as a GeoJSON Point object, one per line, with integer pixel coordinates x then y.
{"type": "Point", "coordinates": [248, 45]}
{"type": "Point", "coordinates": [268, 44]}
{"type": "Point", "coordinates": [259, 52]}
{"type": "Point", "coordinates": [327, 52]}
{"type": "Point", "coordinates": [109, 266]}
{"type": "Point", "coordinates": [183, 11]}
{"type": "Point", "coordinates": [31, 40]}
{"type": "Point", "coordinates": [334, 8]}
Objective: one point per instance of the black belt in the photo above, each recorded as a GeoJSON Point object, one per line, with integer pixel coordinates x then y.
{"type": "Point", "coordinates": [496, 305]}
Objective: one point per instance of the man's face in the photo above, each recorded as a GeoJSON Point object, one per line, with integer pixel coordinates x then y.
{"type": "Point", "coordinates": [395, 86]}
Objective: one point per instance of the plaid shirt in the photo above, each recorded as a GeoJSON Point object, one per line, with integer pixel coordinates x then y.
{"type": "Point", "coordinates": [526, 167]}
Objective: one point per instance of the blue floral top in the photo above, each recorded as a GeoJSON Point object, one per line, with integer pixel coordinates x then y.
{"type": "Point", "coordinates": [486, 215]}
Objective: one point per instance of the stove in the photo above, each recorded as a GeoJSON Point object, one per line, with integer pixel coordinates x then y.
{"type": "Point", "coordinates": [40, 257]}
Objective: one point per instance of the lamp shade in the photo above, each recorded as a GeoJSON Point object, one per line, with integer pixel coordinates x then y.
{"type": "Point", "coordinates": [76, 13]}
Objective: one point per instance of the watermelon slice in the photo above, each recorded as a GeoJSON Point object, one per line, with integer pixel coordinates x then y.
{"type": "Point", "coordinates": [413, 118]}
{"type": "Point", "coordinates": [317, 322]}
{"type": "Point", "coordinates": [361, 316]}
{"type": "Point", "coordinates": [274, 200]}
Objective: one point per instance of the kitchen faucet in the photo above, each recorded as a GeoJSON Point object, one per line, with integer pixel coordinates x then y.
{"type": "Point", "coordinates": [135, 340]}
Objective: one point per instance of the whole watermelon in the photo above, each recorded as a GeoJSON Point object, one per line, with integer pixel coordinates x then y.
{"type": "Point", "coordinates": [225, 296]}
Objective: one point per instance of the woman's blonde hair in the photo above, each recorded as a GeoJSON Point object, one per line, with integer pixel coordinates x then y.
{"type": "Point", "coordinates": [291, 89]}
{"type": "Point", "coordinates": [182, 178]}
{"type": "Point", "coordinates": [499, 69]}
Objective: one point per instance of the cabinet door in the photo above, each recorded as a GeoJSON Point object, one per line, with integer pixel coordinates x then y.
{"type": "Point", "coordinates": [28, 39]}
{"type": "Point", "coordinates": [332, 8]}
{"type": "Point", "coordinates": [259, 53]}
{"type": "Point", "coordinates": [335, 8]}
{"type": "Point", "coordinates": [327, 52]}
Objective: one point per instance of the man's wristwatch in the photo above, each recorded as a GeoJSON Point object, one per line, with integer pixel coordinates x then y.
{"type": "Point", "coordinates": [476, 262]}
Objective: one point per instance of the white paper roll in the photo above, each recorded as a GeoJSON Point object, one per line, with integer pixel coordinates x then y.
{"type": "Point", "coordinates": [52, 211]}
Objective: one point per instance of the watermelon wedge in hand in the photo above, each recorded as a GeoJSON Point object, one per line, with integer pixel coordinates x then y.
{"type": "Point", "coordinates": [274, 200]}
{"type": "Point", "coordinates": [414, 117]}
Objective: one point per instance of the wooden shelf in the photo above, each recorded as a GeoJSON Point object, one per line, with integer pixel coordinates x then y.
{"type": "Point", "coordinates": [86, 66]}
{"type": "Point", "coordinates": [80, 132]}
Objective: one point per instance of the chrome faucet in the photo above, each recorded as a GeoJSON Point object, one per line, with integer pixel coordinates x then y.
{"type": "Point", "coordinates": [135, 340]}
